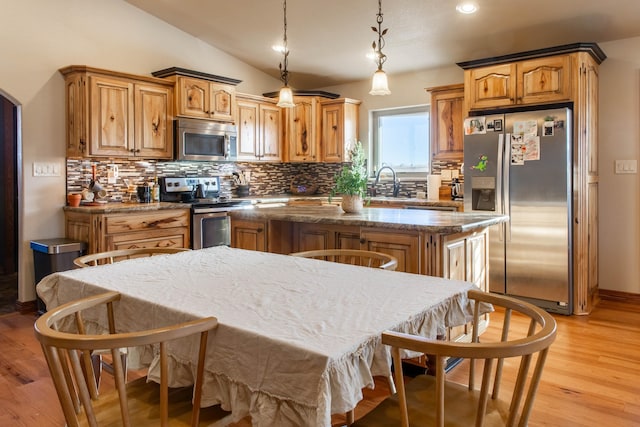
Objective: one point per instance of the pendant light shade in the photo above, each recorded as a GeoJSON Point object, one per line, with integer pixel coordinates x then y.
{"type": "Point", "coordinates": [285, 99]}
{"type": "Point", "coordinates": [379, 85]}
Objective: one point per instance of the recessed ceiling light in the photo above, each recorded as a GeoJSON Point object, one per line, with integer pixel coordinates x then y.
{"type": "Point", "coordinates": [467, 7]}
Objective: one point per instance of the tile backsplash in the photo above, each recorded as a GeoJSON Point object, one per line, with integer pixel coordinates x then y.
{"type": "Point", "coordinates": [266, 178]}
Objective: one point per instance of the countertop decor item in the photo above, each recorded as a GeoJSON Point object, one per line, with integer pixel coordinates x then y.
{"type": "Point", "coordinates": [351, 182]}
{"type": "Point", "coordinates": [74, 199]}
{"type": "Point", "coordinates": [300, 185]}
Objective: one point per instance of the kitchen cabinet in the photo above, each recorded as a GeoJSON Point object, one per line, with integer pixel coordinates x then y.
{"type": "Point", "coordinates": [447, 119]}
{"type": "Point", "coordinates": [534, 81]}
{"type": "Point", "coordinates": [201, 95]}
{"type": "Point", "coordinates": [106, 231]}
{"type": "Point", "coordinates": [112, 114]}
{"type": "Point", "coordinates": [203, 99]}
{"type": "Point", "coordinates": [259, 122]}
{"type": "Point", "coordinates": [249, 234]}
{"type": "Point", "coordinates": [404, 246]}
{"type": "Point", "coordinates": [339, 128]}
{"type": "Point", "coordinates": [302, 132]}
{"type": "Point", "coordinates": [310, 237]}
{"type": "Point", "coordinates": [566, 73]}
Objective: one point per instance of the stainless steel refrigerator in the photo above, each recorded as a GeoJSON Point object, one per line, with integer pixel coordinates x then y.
{"type": "Point", "coordinates": [520, 164]}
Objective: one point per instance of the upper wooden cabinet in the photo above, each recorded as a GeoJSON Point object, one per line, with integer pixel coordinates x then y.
{"type": "Point", "coordinates": [318, 129]}
{"type": "Point", "coordinates": [535, 81]}
{"type": "Point", "coordinates": [259, 125]}
{"type": "Point", "coordinates": [114, 114]}
{"type": "Point", "coordinates": [204, 99]}
{"type": "Point", "coordinates": [447, 122]}
{"type": "Point", "coordinates": [301, 132]}
{"type": "Point", "coordinates": [339, 128]}
{"type": "Point", "coordinates": [202, 95]}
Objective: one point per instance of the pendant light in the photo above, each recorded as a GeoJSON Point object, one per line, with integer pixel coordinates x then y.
{"type": "Point", "coordinates": [379, 85]}
{"type": "Point", "coordinates": [285, 99]}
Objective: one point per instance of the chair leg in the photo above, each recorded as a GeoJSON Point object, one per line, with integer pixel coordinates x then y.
{"type": "Point", "coordinates": [350, 417]}
{"type": "Point", "coordinates": [96, 361]}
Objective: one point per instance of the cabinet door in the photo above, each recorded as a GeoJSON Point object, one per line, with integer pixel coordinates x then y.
{"type": "Point", "coordinates": [492, 86]}
{"type": "Point", "coordinates": [404, 246]}
{"type": "Point", "coordinates": [447, 123]}
{"type": "Point", "coordinates": [301, 130]}
{"type": "Point", "coordinates": [153, 115]}
{"type": "Point", "coordinates": [454, 260]}
{"type": "Point", "coordinates": [248, 115]}
{"type": "Point", "coordinates": [270, 125]}
{"type": "Point", "coordinates": [249, 235]}
{"type": "Point", "coordinates": [311, 237]}
{"type": "Point", "coordinates": [193, 97]}
{"type": "Point", "coordinates": [222, 101]}
{"type": "Point", "coordinates": [477, 248]}
{"type": "Point", "coordinates": [76, 115]}
{"type": "Point", "coordinates": [544, 80]}
{"type": "Point", "coordinates": [332, 133]}
{"type": "Point", "coordinates": [112, 117]}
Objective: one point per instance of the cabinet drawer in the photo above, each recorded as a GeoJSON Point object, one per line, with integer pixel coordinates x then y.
{"type": "Point", "coordinates": [127, 223]}
{"type": "Point", "coordinates": [173, 238]}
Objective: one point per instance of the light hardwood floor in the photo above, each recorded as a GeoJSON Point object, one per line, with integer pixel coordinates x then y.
{"type": "Point", "coordinates": [592, 376]}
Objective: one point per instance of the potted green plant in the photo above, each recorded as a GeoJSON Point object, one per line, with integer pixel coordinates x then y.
{"type": "Point", "coordinates": [351, 182]}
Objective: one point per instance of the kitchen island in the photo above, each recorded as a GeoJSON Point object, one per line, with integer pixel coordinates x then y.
{"type": "Point", "coordinates": [436, 243]}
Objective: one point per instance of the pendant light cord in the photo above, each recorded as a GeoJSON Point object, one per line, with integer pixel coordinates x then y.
{"type": "Point", "coordinates": [380, 57]}
{"type": "Point", "coordinates": [284, 74]}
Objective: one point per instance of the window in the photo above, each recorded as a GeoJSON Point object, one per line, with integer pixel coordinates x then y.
{"type": "Point", "coordinates": [400, 139]}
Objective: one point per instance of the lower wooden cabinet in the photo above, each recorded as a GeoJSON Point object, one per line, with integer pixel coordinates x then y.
{"type": "Point", "coordinates": [251, 235]}
{"type": "Point", "coordinates": [404, 246]}
{"type": "Point", "coordinates": [309, 237]}
{"type": "Point", "coordinates": [125, 230]}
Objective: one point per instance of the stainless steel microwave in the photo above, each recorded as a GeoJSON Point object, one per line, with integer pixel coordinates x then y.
{"type": "Point", "coordinates": [203, 140]}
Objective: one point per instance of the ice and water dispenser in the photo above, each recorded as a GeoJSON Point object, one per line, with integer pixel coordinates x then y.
{"type": "Point", "coordinates": [483, 193]}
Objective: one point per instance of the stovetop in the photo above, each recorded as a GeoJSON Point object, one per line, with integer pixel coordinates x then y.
{"type": "Point", "coordinates": [188, 190]}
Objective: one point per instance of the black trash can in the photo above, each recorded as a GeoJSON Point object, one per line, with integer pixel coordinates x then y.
{"type": "Point", "coordinates": [53, 255]}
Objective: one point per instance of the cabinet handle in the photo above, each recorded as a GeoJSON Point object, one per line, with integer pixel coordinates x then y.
{"type": "Point", "coordinates": [259, 230]}
{"type": "Point", "coordinates": [363, 241]}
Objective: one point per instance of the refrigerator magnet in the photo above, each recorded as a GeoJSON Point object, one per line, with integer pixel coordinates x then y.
{"type": "Point", "coordinates": [474, 125]}
{"type": "Point", "coordinates": [497, 125]}
{"type": "Point", "coordinates": [547, 128]}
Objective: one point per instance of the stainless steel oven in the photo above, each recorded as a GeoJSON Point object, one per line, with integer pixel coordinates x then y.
{"type": "Point", "coordinates": [210, 225]}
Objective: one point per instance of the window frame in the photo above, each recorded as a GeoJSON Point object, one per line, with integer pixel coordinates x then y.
{"type": "Point", "coordinates": [374, 116]}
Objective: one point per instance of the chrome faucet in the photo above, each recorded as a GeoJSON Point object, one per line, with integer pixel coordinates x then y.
{"type": "Point", "coordinates": [396, 183]}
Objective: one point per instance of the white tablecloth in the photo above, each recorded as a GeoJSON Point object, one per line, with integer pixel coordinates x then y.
{"type": "Point", "coordinates": [297, 338]}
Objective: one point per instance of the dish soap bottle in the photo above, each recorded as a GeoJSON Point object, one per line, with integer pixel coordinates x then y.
{"type": "Point", "coordinates": [156, 190]}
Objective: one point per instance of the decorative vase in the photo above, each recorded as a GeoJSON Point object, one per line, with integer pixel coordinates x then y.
{"type": "Point", "coordinates": [351, 203]}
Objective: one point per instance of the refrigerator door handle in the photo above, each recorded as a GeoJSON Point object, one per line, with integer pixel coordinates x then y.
{"type": "Point", "coordinates": [505, 179]}
{"type": "Point", "coordinates": [499, 185]}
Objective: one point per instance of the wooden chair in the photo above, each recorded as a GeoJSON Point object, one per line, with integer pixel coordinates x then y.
{"type": "Point", "coordinates": [353, 256]}
{"type": "Point", "coordinates": [434, 401]}
{"type": "Point", "coordinates": [136, 403]}
{"type": "Point", "coordinates": [110, 257]}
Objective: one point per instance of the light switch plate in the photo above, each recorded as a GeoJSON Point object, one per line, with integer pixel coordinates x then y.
{"type": "Point", "coordinates": [46, 169]}
{"type": "Point", "coordinates": [626, 166]}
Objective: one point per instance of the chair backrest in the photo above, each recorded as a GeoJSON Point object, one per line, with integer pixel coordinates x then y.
{"type": "Point", "coordinates": [538, 338]}
{"type": "Point", "coordinates": [109, 257]}
{"type": "Point", "coordinates": [353, 256]}
{"type": "Point", "coordinates": [69, 360]}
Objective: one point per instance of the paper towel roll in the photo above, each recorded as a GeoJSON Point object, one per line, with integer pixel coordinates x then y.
{"type": "Point", "coordinates": [433, 187]}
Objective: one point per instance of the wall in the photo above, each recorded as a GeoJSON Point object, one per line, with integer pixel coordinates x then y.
{"type": "Point", "coordinates": [37, 37]}
{"type": "Point", "coordinates": [619, 194]}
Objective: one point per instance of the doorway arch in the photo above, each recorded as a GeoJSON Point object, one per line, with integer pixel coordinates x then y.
{"type": "Point", "coordinates": [10, 190]}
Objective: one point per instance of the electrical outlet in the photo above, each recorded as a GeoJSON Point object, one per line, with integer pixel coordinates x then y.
{"type": "Point", "coordinates": [626, 166]}
{"type": "Point", "coordinates": [446, 174]}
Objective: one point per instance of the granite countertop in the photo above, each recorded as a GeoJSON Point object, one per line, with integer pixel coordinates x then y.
{"type": "Point", "coordinates": [380, 200]}
{"type": "Point", "coordinates": [440, 222]}
{"type": "Point", "coordinates": [115, 207]}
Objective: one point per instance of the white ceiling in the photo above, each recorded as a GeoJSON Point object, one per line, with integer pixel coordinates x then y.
{"type": "Point", "coordinates": [329, 39]}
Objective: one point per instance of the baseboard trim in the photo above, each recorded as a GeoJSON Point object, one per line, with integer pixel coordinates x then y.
{"type": "Point", "coordinates": [610, 295]}
{"type": "Point", "coordinates": [25, 307]}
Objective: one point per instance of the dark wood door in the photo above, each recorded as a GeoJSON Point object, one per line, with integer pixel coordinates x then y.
{"type": "Point", "coordinates": [9, 188]}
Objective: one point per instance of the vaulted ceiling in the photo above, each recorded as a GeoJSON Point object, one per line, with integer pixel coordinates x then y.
{"type": "Point", "coordinates": [328, 39]}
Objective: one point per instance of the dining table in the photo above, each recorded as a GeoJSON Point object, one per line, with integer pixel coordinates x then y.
{"type": "Point", "coordinates": [297, 339]}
